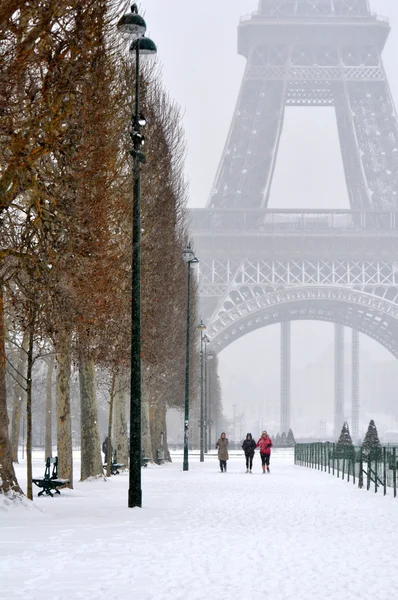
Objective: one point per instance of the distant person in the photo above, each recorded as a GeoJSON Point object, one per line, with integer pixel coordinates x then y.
{"type": "Point", "coordinates": [105, 448]}
{"type": "Point", "coordinates": [265, 445]}
{"type": "Point", "coordinates": [222, 446]}
{"type": "Point", "coordinates": [249, 446]}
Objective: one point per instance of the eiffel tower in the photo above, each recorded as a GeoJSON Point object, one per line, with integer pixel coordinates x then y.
{"type": "Point", "coordinates": [260, 266]}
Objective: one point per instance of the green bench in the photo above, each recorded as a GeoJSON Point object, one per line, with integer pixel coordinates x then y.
{"type": "Point", "coordinates": [50, 482]}
{"type": "Point", "coordinates": [144, 461]}
{"type": "Point", "coordinates": [115, 466]}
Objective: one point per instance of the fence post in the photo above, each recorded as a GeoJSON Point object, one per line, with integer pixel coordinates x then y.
{"type": "Point", "coordinates": [348, 468]}
{"type": "Point", "coordinates": [376, 473]}
{"type": "Point", "coordinates": [328, 451]}
{"type": "Point", "coordinates": [333, 457]}
{"type": "Point", "coordinates": [322, 456]}
{"type": "Point", "coordinates": [385, 470]}
{"type": "Point", "coordinates": [360, 476]}
{"type": "Point", "coordinates": [368, 473]}
{"type": "Point", "coordinates": [353, 465]}
{"type": "Point", "coordinates": [394, 458]}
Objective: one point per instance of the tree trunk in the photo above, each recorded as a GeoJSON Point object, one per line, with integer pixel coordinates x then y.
{"type": "Point", "coordinates": [159, 431]}
{"type": "Point", "coordinates": [29, 489]}
{"type": "Point", "coordinates": [120, 429]}
{"type": "Point", "coordinates": [16, 421]}
{"type": "Point", "coordinates": [8, 482]}
{"type": "Point", "coordinates": [146, 442]}
{"type": "Point", "coordinates": [109, 453]}
{"type": "Point", "coordinates": [91, 459]}
{"type": "Point", "coordinates": [19, 392]}
{"type": "Point", "coordinates": [64, 423]}
{"type": "Point", "coordinates": [49, 408]}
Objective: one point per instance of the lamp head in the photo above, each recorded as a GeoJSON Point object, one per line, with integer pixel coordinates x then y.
{"type": "Point", "coordinates": [132, 23]}
{"type": "Point", "coordinates": [188, 254]}
{"type": "Point", "coordinates": [145, 46]}
{"type": "Point", "coordinates": [202, 326]}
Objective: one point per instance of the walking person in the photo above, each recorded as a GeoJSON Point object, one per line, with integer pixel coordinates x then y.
{"type": "Point", "coordinates": [222, 446]}
{"type": "Point", "coordinates": [249, 446]}
{"type": "Point", "coordinates": [265, 445]}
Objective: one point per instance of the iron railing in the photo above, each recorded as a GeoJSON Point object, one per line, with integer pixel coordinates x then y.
{"type": "Point", "coordinates": [374, 469]}
{"type": "Point", "coordinates": [334, 17]}
{"type": "Point", "coordinates": [227, 221]}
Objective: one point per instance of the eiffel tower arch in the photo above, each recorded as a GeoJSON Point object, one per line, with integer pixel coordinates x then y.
{"type": "Point", "coordinates": [260, 266]}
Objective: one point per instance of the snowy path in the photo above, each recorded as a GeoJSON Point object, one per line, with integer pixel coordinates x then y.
{"type": "Point", "coordinates": [203, 535]}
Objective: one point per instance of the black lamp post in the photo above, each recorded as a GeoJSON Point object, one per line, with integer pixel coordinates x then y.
{"type": "Point", "coordinates": [210, 356]}
{"type": "Point", "coordinates": [190, 258]}
{"type": "Point", "coordinates": [206, 340]}
{"type": "Point", "coordinates": [134, 25]}
{"type": "Point", "coordinates": [202, 328]}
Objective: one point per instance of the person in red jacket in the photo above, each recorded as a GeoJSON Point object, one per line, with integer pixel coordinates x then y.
{"type": "Point", "coordinates": [265, 445]}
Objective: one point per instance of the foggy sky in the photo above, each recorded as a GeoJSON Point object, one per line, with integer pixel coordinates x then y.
{"type": "Point", "coordinates": [197, 46]}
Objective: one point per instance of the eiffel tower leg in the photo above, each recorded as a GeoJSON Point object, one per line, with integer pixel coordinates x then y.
{"type": "Point", "coordinates": [246, 169]}
{"type": "Point", "coordinates": [368, 129]}
{"type": "Point", "coordinates": [355, 386]}
{"type": "Point", "coordinates": [355, 176]}
{"type": "Point", "coordinates": [338, 379]}
{"type": "Point", "coordinates": [285, 376]}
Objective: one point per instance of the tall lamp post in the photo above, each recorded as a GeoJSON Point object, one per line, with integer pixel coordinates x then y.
{"type": "Point", "coordinates": [134, 25]}
{"type": "Point", "coordinates": [210, 356]}
{"type": "Point", "coordinates": [190, 258]}
{"type": "Point", "coordinates": [202, 328]}
{"type": "Point", "coordinates": [206, 340]}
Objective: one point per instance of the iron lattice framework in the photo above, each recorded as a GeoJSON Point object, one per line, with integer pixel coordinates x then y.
{"type": "Point", "coordinates": [312, 53]}
{"type": "Point", "coordinates": [260, 266]}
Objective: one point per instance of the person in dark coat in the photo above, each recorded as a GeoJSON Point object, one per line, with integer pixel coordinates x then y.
{"type": "Point", "coordinates": [249, 447]}
{"type": "Point", "coordinates": [105, 448]}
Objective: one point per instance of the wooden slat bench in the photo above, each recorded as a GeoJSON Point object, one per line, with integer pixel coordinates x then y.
{"type": "Point", "coordinates": [50, 482]}
{"type": "Point", "coordinates": [115, 466]}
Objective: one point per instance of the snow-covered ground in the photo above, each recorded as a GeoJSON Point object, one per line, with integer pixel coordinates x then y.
{"type": "Point", "coordinates": [203, 535]}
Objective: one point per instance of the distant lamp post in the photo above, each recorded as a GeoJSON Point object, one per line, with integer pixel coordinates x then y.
{"type": "Point", "coordinates": [189, 257]}
{"type": "Point", "coordinates": [206, 340]}
{"type": "Point", "coordinates": [134, 26]}
{"type": "Point", "coordinates": [202, 328]}
{"type": "Point", "coordinates": [210, 357]}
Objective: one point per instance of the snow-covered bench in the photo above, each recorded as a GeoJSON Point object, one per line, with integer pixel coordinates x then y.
{"type": "Point", "coordinates": [50, 482]}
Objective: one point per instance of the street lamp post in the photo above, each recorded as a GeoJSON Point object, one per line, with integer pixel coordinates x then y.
{"type": "Point", "coordinates": [134, 25]}
{"type": "Point", "coordinates": [190, 258]}
{"type": "Point", "coordinates": [209, 357]}
{"type": "Point", "coordinates": [206, 340]}
{"type": "Point", "coordinates": [202, 328]}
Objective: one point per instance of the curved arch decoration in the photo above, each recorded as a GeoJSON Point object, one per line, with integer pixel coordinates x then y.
{"type": "Point", "coordinates": [374, 316]}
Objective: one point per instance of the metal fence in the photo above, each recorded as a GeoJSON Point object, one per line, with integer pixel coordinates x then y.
{"type": "Point", "coordinates": [374, 468]}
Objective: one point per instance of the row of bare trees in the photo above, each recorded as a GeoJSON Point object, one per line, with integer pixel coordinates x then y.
{"type": "Point", "coordinates": [65, 229]}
